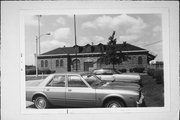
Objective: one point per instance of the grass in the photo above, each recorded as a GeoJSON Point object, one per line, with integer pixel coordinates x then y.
{"type": "Point", "coordinates": [153, 92]}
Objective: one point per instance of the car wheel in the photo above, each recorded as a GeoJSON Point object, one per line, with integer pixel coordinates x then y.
{"type": "Point", "coordinates": [41, 102]}
{"type": "Point", "coordinates": [114, 104]}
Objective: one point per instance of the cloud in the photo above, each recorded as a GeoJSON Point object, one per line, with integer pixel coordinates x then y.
{"type": "Point", "coordinates": [129, 28]}
{"type": "Point", "coordinates": [51, 44]}
{"type": "Point", "coordinates": [128, 38]}
{"type": "Point", "coordinates": [88, 25]}
{"type": "Point", "coordinates": [83, 41]}
{"type": "Point", "coordinates": [99, 39]}
{"type": "Point", "coordinates": [123, 21]}
{"type": "Point", "coordinates": [61, 21]}
{"type": "Point", "coordinates": [32, 20]}
{"type": "Point", "coordinates": [91, 39]}
{"type": "Point", "coordinates": [156, 31]}
{"type": "Point", "coordinates": [62, 33]}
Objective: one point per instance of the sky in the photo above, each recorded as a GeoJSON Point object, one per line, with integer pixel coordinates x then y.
{"type": "Point", "coordinates": [142, 30]}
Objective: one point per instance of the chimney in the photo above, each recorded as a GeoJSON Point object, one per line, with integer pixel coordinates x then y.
{"type": "Point", "coordinates": [124, 42]}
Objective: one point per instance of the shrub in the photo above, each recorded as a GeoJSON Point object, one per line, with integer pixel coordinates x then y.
{"type": "Point", "coordinates": [150, 72]}
{"type": "Point", "coordinates": [123, 70]}
{"type": "Point", "coordinates": [30, 71]}
{"type": "Point", "coordinates": [131, 70]}
{"type": "Point", "coordinates": [159, 76]}
{"type": "Point", "coordinates": [33, 71]}
{"type": "Point", "coordinates": [44, 71]}
{"type": "Point", "coordinates": [139, 69]}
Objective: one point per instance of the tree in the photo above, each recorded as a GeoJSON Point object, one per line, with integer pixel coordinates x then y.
{"type": "Point", "coordinates": [113, 56]}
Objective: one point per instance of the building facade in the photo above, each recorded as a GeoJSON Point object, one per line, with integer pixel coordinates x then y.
{"type": "Point", "coordinates": [87, 58]}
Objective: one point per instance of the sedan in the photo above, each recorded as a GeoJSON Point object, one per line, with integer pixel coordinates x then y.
{"type": "Point", "coordinates": [108, 74]}
{"type": "Point", "coordinates": [80, 90]}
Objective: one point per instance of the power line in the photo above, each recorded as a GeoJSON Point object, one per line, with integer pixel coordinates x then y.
{"type": "Point", "coordinates": [151, 44]}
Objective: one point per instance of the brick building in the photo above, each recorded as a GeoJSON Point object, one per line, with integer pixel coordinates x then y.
{"type": "Point", "coordinates": [87, 58]}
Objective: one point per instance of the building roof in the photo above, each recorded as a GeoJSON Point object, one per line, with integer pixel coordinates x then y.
{"type": "Point", "coordinates": [93, 49]}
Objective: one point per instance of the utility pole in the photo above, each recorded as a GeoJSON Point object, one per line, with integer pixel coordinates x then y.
{"type": "Point", "coordinates": [36, 56]}
{"type": "Point", "coordinates": [39, 32]}
{"type": "Point", "coordinates": [75, 41]}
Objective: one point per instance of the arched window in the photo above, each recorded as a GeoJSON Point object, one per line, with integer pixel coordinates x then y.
{"type": "Point", "coordinates": [61, 63]}
{"type": "Point", "coordinates": [133, 60]}
{"type": "Point", "coordinates": [57, 63]}
{"type": "Point", "coordinates": [76, 63]}
{"type": "Point", "coordinates": [46, 63]}
{"type": "Point", "coordinates": [139, 60]}
{"type": "Point", "coordinates": [42, 63]}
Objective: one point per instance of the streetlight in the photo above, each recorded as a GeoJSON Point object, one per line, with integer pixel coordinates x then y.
{"type": "Point", "coordinates": [38, 41]}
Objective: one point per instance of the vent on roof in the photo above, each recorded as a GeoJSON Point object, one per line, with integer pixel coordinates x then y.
{"type": "Point", "coordinates": [92, 48]}
{"type": "Point", "coordinates": [87, 45]}
{"type": "Point", "coordinates": [124, 43]}
{"type": "Point", "coordinates": [100, 44]}
{"type": "Point", "coordinates": [80, 49]}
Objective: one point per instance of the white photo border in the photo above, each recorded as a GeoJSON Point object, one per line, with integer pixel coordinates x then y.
{"type": "Point", "coordinates": [16, 12]}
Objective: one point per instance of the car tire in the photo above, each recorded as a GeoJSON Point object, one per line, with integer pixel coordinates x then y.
{"type": "Point", "coordinates": [41, 102]}
{"type": "Point", "coordinates": [114, 104]}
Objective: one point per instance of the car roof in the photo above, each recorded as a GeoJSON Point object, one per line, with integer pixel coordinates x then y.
{"type": "Point", "coordinates": [69, 73]}
{"type": "Point", "coordinates": [106, 69]}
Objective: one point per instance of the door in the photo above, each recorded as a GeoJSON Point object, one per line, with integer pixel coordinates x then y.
{"type": "Point", "coordinates": [87, 65]}
{"type": "Point", "coordinates": [69, 62]}
{"type": "Point", "coordinates": [55, 90]}
{"type": "Point", "coordinates": [78, 94]}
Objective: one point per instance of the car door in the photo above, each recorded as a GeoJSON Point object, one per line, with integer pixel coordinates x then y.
{"type": "Point", "coordinates": [55, 90]}
{"type": "Point", "coordinates": [78, 93]}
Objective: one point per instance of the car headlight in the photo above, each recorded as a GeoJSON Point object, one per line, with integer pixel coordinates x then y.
{"type": "Point", "coordinates": [140, 92]}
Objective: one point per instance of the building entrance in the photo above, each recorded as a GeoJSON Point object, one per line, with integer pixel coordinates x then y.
{"type": "Point", "coordinates": [87, 65]}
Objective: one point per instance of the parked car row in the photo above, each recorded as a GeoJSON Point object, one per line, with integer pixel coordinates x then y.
{"type": "Point", "coordinates": [114, 75]}
{"type": "Point", "coordinates": [87, 90]}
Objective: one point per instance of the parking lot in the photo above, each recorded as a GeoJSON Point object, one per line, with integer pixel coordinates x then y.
{"type": "Point", "coordinates": [153, 92]}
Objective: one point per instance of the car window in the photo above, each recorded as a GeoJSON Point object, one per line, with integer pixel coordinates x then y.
{"type": "Point", "coordinates": [57, 81]}
{"type": "Point", "coordinates": [90, 79]}
{"type": "Point", "coordinates": [75, 81]}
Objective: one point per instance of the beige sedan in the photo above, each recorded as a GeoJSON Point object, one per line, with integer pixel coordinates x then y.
{"type": "Point", "coordinates": [79, 90]}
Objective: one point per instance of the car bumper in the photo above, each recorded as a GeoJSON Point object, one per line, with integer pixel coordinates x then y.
{"type": "Point", "coordinates": [140, 102]}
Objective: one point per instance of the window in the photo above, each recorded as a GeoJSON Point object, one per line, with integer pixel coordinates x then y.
{"type": "Point", "coordinates": [133, 60]}
{"type": "Point", "coordinates": [57, 81]}
{"type": "Point", "coordinates": [139, 60]}
{"type": "Point", "coordinates": [42, 63]}
{"type": "Point", "coordinates": [90, 79]}
{"type": "Point", "coordinates": [61, 63]}
{"type": "Point", "coordinates": [57, 63]}
{"type": "Point", "coordinates": [46, 63]}
{"type": "Point", "coordinates": [76, 63]}
{"type": "Point", "coordinates": [75, 81]}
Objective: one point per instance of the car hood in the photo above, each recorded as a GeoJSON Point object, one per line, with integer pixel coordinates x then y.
{"type": "Point", "coordinates": [120, 86]}
{"type": "Point", "coordinates": [127, 77]}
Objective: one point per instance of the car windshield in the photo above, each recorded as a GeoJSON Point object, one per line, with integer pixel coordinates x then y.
{"type": "Point", "coordinates": [93, 80]}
